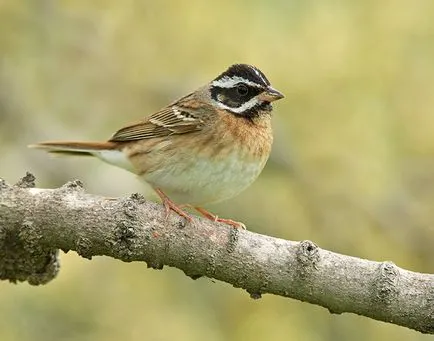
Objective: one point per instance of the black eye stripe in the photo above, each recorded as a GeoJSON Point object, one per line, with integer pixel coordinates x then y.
{"type": "Point", "coordinates": [231, 97]}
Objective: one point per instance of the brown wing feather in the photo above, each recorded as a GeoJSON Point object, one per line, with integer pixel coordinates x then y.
{"type": "Point", "coordinates": [168, 121]}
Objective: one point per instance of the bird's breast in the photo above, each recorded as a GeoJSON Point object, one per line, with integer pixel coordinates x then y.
{"type": "Point", "coordinates": [207, 166]}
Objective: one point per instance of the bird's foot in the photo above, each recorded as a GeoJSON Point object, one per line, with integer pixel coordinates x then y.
{"type": "Point", "coordinates": [170, 205]}
{"type": "Point", "coordinates": [214, 217]}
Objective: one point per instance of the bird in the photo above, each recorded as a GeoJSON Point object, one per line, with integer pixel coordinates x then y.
{"type": "Point", "coordinates": [203, 148]}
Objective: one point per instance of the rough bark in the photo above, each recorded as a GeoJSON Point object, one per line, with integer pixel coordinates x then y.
{"type": "Point", "coordinates": [36, 223]}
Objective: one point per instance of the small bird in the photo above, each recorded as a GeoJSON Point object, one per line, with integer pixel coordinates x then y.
{"type": "Point", "coordinates": [203, 148]}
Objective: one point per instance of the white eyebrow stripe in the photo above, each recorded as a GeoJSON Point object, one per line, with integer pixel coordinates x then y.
{"type": "Point", "coordinates": [246, 106]}
{"type": "Point", "coordinates": [229, 82]}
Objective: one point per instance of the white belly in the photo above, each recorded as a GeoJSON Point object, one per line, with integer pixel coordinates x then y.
{"type": "Point", "coordinates": [199, 181]}
{"type": "Point", "coordinates": [202, 181]}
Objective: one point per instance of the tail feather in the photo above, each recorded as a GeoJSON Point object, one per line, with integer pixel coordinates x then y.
{"type": "Point", "coordinates": [106, 151]}
{"type": "Point", "coordinates": [74, 147]}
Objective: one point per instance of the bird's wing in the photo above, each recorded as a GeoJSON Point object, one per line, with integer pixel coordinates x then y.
{"type": "Point", "coordinates": [175, 119]}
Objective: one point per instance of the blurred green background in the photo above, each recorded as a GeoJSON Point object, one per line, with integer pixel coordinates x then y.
{"type": "Point", "coordinates": [352, 167]}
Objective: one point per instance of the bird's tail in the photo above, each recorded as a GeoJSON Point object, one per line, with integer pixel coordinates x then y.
{"type": "Point", "coordinates": [74, 147]}
{"type": "Point", "coordinates": [106, 151]}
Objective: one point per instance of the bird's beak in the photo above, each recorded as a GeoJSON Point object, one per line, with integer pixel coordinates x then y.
{"type": "Point", "coordinates": [271, 95]}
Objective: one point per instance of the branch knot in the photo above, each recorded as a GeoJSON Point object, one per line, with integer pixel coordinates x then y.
{"type": "Point", "coordinates": [387, 282]}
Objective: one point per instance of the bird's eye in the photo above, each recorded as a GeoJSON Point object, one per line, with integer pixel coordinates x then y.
{"type": "Point", "coordinates": [242, 90]}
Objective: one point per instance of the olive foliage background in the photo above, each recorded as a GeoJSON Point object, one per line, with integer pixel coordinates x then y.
{"type": "Point", "coordinates": [352, 166]}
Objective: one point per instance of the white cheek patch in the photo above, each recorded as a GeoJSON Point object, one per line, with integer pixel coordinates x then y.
{"type": "Point", "coordinates": [246, 106]}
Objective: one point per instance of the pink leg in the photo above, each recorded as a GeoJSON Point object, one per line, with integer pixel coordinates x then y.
{"type": "Point", "coordinates": [170, 205]}
{"type": "Point", "coordinates": [213, 217]}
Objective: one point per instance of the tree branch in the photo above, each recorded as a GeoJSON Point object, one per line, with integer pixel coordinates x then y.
{"type": "Point", "coordinates": [35, 223]}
